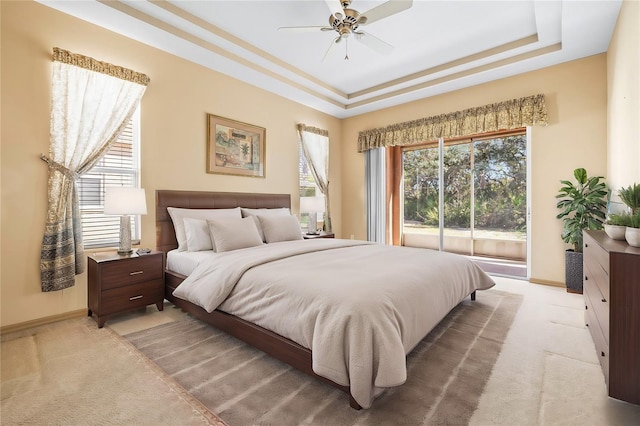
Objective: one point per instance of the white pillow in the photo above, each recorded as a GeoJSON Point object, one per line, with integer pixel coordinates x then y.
{"type": "Point", "coordinates": [280, 228]}
{"type": "Point", "coordinates": [283, 211]}
{"type": "Point", "coordinates": [178, 215]}
{"type": "Point", "coordinates": [197, 233]}
{"type": "Point", "coordinates": [233, 234]}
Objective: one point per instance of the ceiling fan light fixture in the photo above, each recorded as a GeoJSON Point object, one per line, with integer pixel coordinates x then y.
{"type": "Point", "coordinates": [346, 21]}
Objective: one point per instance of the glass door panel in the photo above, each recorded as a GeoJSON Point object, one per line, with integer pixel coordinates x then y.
{"type": "Point", "coordinates": [500, 213]}
{"type": "Point", "coordinates": [457, 198]}
{"type": "Point", "coordinates": [421, 205]}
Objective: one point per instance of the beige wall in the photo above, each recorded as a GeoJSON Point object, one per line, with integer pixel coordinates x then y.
{"type": "Point", "coordinates": [576, 97]}
{"type": "Point", "coordinates": [623, 115]}
{"type": "Point", "coordinates": [173, 140]}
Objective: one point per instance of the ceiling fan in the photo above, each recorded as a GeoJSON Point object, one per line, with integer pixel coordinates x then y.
{"type": "Point", "coordinates": [346, 21]}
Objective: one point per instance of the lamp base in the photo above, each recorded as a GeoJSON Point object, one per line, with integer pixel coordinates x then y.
{"type": "Point", "coordinates": [312, 226]}
{"type": "Point", "coordinates": [125, 235]}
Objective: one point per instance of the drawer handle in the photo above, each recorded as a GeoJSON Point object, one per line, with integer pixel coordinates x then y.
{"type": "Point", "coordinates": [135, 298]}
{"type": "Point", "coordinates": [604, 300]}
{"type": "Point", "coordinates": [601, 353]}
{"type": "Point", "coordinates": [136, 273]}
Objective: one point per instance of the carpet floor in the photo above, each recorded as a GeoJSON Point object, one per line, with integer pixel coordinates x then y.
{"type": "Point", "coordinates": [447, 372]}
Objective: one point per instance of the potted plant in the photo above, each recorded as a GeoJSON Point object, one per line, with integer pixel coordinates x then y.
{"type": "Point", "coordinates": [616, 225]}
{"type": "Point", "coordinates": [631, 197]}
{"type": "Point", "coordinates": [583, 207]}
{"type": "Point", "coordinates": [632, 233]}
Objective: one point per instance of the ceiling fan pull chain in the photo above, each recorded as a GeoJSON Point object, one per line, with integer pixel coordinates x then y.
{"type": "Point", "coordinates": [346, 49]}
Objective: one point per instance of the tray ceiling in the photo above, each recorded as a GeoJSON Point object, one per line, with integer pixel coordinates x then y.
{"type": "Point", "coordinates": [439, 46]}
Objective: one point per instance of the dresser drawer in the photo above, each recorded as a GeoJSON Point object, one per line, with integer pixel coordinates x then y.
{"type": "Point", "coordinates": [599, 307]}
{"type": "Point", "coordinates": [593, 253]}
{"type": "Point", "coordinates": [594, 273]}
{"type": "Point", "coordinates": [133, 296]}
{"type": "Point", "coordinates": [131, 271]}
{"type": "Point", "coordinates": [602, 348]}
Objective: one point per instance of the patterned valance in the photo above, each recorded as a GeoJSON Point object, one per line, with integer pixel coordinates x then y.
{"type": "Point", "coordinates": [513, 114]}
{"type": "Point", "coordinates": [88, 63]}
{"type": "Point", "coordinates": [314, 130]}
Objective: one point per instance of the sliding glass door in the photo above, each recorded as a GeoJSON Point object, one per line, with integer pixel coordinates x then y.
{"type": "Point", "coordinates": [468, 197]}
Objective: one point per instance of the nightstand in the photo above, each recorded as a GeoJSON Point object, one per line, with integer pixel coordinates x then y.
{"type": "Point", "coordinates": [320, 235]}
{"type": "Point", "coordinates": [120, 283]}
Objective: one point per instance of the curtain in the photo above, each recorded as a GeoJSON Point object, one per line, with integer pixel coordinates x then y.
{"type": "Point", "coordinates": [505, 115]}
{"type": "Point", "coordinates": [91, 104]}
{"type": "Point", "coordinates": [375, 169]}
{"type": "Point", "coordinates": [315, 147]}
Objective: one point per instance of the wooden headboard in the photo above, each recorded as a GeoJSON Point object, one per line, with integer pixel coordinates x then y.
{"type": "Point", "coordinates": [165, 233]}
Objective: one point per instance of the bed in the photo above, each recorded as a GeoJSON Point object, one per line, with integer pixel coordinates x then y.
{"type": "Point", "coordinates": [289, 296]}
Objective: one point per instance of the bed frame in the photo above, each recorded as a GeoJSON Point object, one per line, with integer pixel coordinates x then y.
{"type": "Point", "coordinates": [267, 341]}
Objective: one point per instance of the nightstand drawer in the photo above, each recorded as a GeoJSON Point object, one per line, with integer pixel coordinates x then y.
{"type": "Point", "coordinates": [133, 296]}
{"type": "Point", "coordinates": [131, 271]}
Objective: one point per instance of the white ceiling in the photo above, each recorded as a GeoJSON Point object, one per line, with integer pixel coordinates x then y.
{"type": "Point", "coordinates": [439, 46]}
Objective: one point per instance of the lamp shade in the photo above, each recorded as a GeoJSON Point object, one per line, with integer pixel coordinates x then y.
{"type": "Point", "coordinates": [124, 200]}
{"type": "Point", "coordinates": [311, 204]}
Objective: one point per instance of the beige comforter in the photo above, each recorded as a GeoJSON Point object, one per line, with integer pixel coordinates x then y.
{"type": "Point", "coordinates": [359, 307]}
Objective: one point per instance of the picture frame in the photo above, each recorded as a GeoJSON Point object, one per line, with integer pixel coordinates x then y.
{"type": "Point", "coordinates": [235, 148]}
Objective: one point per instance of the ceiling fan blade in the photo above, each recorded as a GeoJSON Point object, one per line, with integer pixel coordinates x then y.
{"type": "Point", "coordinates": [333, 43]}
{"type": "Point", "coordinates": [387, 9]}
{"type": "Point", "coordinates": [306, 29]}
{"type": "Point", "coordinates": [335, 6]}
{"type": "Point", "coordinates": [374, 43]}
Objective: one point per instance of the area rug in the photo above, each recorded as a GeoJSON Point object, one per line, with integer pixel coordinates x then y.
{"type": "Point", "coordinates": [447, 372]}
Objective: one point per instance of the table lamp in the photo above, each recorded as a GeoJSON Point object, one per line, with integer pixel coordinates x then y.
{"type": "Point", "coordinates": [312, 206]}
{"type": "Point", "coordinates": [125, 201]}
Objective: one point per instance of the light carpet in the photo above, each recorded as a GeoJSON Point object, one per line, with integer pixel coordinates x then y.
{"type": "Point", "coordinates": [72, 373]}
{"type": "Point", "coordinates": [447, 372]}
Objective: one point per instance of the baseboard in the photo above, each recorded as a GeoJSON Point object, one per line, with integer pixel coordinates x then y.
{"type": "Point", "coordinates": [42, 321]}
{"type": "Point", "coordinates": [547, 282]}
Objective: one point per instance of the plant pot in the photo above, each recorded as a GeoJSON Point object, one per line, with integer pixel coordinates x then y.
{"type": "Point", "coordinates": [573, 271]}
{"type": "Point", "coordinates": [615, 232]}
{"type": "Point", "coordinates": [632, 235]}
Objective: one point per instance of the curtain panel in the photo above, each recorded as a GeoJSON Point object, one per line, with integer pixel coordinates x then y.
{"type": "Point", "coordinates": [91, 104]}
{"type": "Point", "coordinates": [375, 166]}
{"type": "Point", "coordinates": [315, 147]}
{"type": "Point", "coordinates": [512, 114]}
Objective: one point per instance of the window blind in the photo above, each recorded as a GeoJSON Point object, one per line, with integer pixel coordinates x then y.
{"type": "Point", "coordinates": [118, 167]}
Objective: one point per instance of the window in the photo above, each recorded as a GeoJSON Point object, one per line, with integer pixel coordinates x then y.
{"type": "Point", "coordinates": [119, 167]}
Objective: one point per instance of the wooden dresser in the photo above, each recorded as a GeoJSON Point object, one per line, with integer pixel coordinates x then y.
{"type": "Point", "coordinates": [612, 311]}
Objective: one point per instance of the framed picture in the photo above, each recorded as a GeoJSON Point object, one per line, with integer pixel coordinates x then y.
{"type": "Point", "coordinates": [235, 148]}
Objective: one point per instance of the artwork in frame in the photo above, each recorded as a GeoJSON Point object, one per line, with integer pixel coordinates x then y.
{"type": "Point", "coordinates": [235, 148]}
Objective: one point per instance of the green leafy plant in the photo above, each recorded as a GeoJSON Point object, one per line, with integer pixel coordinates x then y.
{"type": "Point", "coordinates": [619, 219]}
{"type": "Point", "coordinates": [583, 206]}
{"type": "Point", "coordinates": [634, 220]}
{"type": "Point", "coordinates": [631, 197]}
